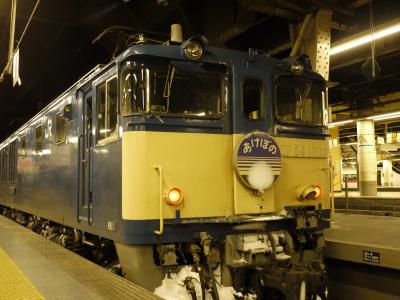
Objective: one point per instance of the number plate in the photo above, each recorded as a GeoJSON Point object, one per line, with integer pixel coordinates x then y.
{"type": "Point", "coordinates": [371, 257]}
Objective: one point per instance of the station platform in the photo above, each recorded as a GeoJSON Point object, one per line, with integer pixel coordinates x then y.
{"type": "Point", "coordinates": [32, 267]}
{"type": "Point", "coordinates": [363, 257]}
{"type": "Point", "coordinates": [367, 239]}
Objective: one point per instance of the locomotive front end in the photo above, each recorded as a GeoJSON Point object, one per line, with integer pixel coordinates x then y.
{"type": "Point", "coordinates": [287, 170]}
{"type": "Point", "coordinates": [224, 167]}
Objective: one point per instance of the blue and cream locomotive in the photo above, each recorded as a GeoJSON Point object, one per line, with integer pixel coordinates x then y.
{"type": "Point", "coordinates": [184, 154]}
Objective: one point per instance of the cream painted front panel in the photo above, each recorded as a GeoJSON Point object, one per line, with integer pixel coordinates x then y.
{"type": "Point", "coordinates": [304, 162]}
{"type": "Point", "coordinates": [199, 164]}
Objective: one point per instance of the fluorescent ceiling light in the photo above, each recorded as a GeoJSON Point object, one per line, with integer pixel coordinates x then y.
{"type": "Point", "coordinates": [387, 116]}
{"type": "Point", "coordinates": [339, 123]}
{"type": "Point", "coordinates": [365, 39]}
{"type": "Point", "coordinates": [350, 144]}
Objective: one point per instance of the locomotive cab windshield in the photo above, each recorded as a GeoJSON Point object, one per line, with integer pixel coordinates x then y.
{"type": "Point", "coordinates": [300, 101]}
{"type": "Point", "coordinates": [174, 88]}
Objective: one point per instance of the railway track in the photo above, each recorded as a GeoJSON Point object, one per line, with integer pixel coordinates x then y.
{"type": "Point", "coordinates": [369, 205]}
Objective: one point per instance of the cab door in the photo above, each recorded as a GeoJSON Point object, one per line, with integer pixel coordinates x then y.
{"type": "Point", "coordinates": [85, 162]}
{"type": "Point", "coordinates": [251, 113]}
{"type": "Point", "coordinates": [253, 105]}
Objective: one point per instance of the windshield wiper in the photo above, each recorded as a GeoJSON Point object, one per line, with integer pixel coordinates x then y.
{"type": "Point", "coordinates": [158, 117]}
{"type": "Point", "coordinates": [168, 81]}
{"type": "Point", "coordinates": [304, 95]}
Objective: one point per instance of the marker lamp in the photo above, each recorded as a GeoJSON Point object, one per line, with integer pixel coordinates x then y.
{"type": "Point", "coordinates": [311, 192]}
{"type": "Point", "coordinates": [318, 191]}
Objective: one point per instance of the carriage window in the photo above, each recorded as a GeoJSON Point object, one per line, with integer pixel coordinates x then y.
{"type": "Point", "coordinates": [252, 99]}
{"type": "Point", "coordinates": [174, 88]}
{"type": "Point", "coordinates": [61, 128]}
{"type": "Point", "coordinates": [38, 139]}
{"type": "Point", "coordinates": [8, 163]}
{"type": "Point", "coordinates": [3, 164]}
{"type": "Point", "coordinates": [107, 109]}
{"type": "Point", "coordinates": [299, 100]}
{"type": "Point", "coordinates": [12, 170]}
{"type": "Point", "coordinates": [22, 146]}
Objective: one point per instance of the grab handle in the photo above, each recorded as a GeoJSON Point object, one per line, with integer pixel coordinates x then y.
{"type": "Point", "coordinates": [160, 174]}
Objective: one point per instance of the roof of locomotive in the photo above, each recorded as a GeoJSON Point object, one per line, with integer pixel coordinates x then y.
{"type": "Point", "coordinates": [210, 54]}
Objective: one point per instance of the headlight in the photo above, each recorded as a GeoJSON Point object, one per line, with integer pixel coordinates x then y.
{"type": "Point", "coordinates": [193, 50]}
{"type": "Point", "coordinates": [174, 196]}
{"type": "Point", "coordinates": [297, 67]}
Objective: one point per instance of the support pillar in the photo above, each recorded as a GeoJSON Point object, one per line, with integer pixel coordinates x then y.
{"type": "Point", "coordinates": [317, 42]}
{"type": "Point", "coordinates": [387, 173]}
{"type": "Point", "coordinates": [366, 157]}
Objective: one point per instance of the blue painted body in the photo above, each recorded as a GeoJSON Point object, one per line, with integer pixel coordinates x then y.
{"type": "Point", "coordinates": [48, 184]}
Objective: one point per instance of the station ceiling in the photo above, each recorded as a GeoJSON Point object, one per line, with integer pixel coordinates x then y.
{"type": "Point", "coordinates": [59, 46]}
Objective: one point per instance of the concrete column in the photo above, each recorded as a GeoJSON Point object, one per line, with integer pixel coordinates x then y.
{"type": "Point", "coordinates": [366, 156]}
{"type": "Point", "coordinates": [387, 173]}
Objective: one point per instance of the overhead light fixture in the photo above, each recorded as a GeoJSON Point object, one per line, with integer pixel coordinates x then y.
{"type": "Point", "coordinates": [387, 116]}
{"type": "Point", "coordinates": [349, 144]}
{"type": "Point", "coordinates": [340, 123]}
{"type": "Point", "coordinates": [365, 39]}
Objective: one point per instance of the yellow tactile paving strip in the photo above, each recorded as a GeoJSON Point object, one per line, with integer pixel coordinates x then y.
{"type": "Point", "coordinates": [13, 283]}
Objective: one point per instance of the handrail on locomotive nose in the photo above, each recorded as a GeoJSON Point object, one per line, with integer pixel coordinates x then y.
{"type": "Point", "coordinates": [160, 174]}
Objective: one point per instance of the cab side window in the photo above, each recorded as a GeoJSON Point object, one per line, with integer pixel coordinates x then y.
{"type": "Point", "coordinates": [253, 99]}
{"type": "Point", "coordinates": [107, 109]}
